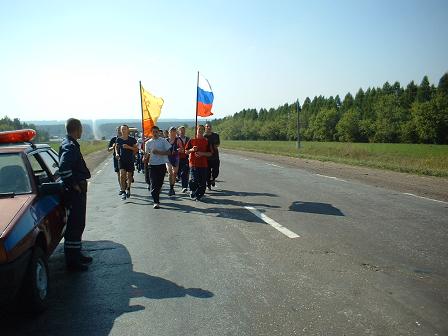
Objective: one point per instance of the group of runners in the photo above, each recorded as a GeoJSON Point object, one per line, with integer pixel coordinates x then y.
{"type": "Point", "coordinates": [194, 163]}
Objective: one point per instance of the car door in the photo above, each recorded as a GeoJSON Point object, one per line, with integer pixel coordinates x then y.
{"type": "Point", "coordinates": [49, 207]}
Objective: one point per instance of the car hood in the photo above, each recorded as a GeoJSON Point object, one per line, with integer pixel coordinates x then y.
{"type": "Point", "coordinates": [10, 207]}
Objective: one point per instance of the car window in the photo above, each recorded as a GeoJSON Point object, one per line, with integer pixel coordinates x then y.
{"type": "Point", "coordinates": [50, 162]}
{"type": "Point", "coordinates": [14, 177]}
{"type": "Point", "coordinates": [39, 171]}
{"type": "Point", "coordinates": [54, 155]}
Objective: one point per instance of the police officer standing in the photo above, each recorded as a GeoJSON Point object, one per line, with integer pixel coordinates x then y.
{"type": "Point", "coordinates": [74, 174]}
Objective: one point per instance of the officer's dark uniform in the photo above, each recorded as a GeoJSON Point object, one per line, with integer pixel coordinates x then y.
{"type": "Point", "coordinates": [73, 171]}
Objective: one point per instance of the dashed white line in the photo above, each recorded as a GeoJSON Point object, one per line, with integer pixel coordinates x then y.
{"type": "Point", "coordinates": [272, 223]}
{"type": "Point", "coordinates": [332, 177]}
{"type": "Point", "coordinates": [271, 164]}
{"type": "Point", "coordinates": [426, 198]}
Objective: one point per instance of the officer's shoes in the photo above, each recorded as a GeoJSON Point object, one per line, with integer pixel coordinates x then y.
{"type": "Point", "coordinates": [121, 192]}
{"type": "Point", "coordinates": [123, 197]}
{"type": "Point", "coordinates": [77, 267]}
{"type": "Point", "coordinates": [128, 193]}
{"type": "Point", "coordinates": [84, 259]}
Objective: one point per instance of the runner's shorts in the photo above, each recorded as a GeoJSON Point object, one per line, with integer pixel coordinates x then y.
{"type": "Point", "coordinates": [126, 165]}
{"type": "Point", "coordinates": [174, 161]}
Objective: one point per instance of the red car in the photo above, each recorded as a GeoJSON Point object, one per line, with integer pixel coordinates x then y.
{"type": "Point", "coordinates": [32, 217]}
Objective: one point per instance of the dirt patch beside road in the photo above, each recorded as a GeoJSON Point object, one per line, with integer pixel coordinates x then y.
{"type": "Point", "coordinates": [426, 186]}
{"type": "Point", "coordinates": [93, 160]}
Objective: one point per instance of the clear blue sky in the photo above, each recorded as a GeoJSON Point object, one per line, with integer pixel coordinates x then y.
{"type": "Point", "coordinates": [85, 58]}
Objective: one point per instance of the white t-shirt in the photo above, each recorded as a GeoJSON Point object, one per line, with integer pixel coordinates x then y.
{"type": "Point", "coordinates": [160, 144]}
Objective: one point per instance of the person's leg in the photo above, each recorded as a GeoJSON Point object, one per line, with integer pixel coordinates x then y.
{"type": "Point", "coordinates": [171, 178]}
{"type": "Point", "coordinates": [153, 180]}
{"type": "Point", "coordinates": [215, 171]}
{"type": "Point", "coordinates": [194, 183]}
{"type": "Point", "coordinates": [130, 175]}
{"type": "Point", "coordinates": [158, 175]}
{"type": "Point", "coordinates": [202, 181]}
{"type": "Point", "coordinates": [184, 175]}
{"type": "Point", "coordinates": [123, 177]}
{"type": "Point", "coordinates": [74, 230]}
{"type": "Point", "coordinates": [209, 175]}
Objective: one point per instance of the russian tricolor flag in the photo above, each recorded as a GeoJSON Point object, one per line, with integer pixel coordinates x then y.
{"type": "Point", "coordinates": [205, 98]}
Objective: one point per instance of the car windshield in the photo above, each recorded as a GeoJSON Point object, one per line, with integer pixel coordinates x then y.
{"type": "Point", "coordinates": [14, 177]}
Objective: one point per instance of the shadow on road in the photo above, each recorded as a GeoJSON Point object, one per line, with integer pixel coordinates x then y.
{"type": "Point", "coordinates": [315, 207]}
{"type": "Point", "coordinates": [223, 192]}
{"type": "Point", "coordinates": [237, 213]}
{"type": "Point", "coordinates": [89, 303]}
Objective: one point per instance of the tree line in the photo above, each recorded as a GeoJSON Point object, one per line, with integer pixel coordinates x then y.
{"type": "Point", "coordinates": [8, 124]}
{"type": "Point", "coordinates": [387, 114]}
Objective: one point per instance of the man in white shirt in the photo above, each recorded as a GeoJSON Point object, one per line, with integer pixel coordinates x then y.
{"type": "Point", "coordinates": [158, 150]}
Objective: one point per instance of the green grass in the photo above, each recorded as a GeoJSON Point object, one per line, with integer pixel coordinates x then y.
{"type": "Point", "coordinates": [409, 158]}
{"type": "Point", "coordinates": [87, 147]}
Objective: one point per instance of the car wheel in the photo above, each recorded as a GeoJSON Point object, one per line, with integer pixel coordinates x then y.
{"type": "Point", "coordinates": [36, 281]}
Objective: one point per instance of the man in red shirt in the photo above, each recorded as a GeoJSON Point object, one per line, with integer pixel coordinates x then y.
{"type": "Point", "coordinates": [199, 150]}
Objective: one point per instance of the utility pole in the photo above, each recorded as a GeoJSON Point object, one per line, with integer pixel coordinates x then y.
{"type": "Point", "coordinates": [298, 124]}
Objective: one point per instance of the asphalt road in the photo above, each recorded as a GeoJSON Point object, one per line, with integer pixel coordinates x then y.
{"type": "Point", "coordinates": [364, 260]}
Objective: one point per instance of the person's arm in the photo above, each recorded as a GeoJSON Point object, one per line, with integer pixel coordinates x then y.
{"type": "Point", "coordinates": [166, 151]}
{"type": "Point", "coordinates": [189, 148]}
{"type": "Point", "coordinates": [208, 153]}
{"type": "Point", "coordinates": [111, 145]}
{"type": "Point", "coordinates": [67, 159]}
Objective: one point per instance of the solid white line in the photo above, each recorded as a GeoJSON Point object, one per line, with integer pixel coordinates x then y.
{"type": "Point", "coordinates": [271, 164]}
{"type": "Point", "coordinates": [272, 223]}
{"type": "Point", "coordinates": [331, 177]}
{"type": "Point", "coordinates": [426, 198]}
{"type": "Point", "coordinates": [99, 171]}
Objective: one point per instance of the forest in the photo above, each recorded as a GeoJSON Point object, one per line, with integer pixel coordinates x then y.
{"type": "Point", "coordinates": [387, 114]}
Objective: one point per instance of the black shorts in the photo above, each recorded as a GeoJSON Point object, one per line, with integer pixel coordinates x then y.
{"type": "Point", "coordinates": [126, 165]}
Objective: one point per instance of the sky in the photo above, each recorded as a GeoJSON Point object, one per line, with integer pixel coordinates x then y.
{"type": "Point", "coordinates": [84, 59]}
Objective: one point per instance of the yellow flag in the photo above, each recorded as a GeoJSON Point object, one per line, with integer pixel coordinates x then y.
{"type": "Point", "coordinates": [152, 107]}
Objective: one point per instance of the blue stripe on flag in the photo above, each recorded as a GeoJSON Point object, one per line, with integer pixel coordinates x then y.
{"type": "Point", "coordinates": [205, 97]}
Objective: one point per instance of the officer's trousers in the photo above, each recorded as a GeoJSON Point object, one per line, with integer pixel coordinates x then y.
{"type": "Point", "coordinates": [75, 226]}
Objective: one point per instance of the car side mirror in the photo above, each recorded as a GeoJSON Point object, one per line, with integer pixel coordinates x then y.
{"type": "Point", "coordinates": [51, 188]}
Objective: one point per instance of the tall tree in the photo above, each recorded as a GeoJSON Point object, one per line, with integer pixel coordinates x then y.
{"type": "Point", "coordinates": [424, 91]}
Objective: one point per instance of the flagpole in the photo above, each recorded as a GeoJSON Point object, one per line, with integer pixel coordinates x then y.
{"type": "Point", "coordinates": [143, 124]}
{"type": "Point", "coordinates": [197, 97]}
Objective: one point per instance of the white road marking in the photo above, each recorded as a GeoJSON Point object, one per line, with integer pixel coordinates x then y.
{"type": "Point", "coordinates": [99, 171]}
{"type": "Point", "coordinates": [272, 223]}
{"type": "Point", "coordinates": [332, 177]}
{"type": "Point", "coordinates": [271, 164]}
{"type": "Point", "coordinates": [426, 198]}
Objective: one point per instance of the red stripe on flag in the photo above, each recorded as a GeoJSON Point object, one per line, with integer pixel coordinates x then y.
{"type": "Point", "coordinates": [204, 110]}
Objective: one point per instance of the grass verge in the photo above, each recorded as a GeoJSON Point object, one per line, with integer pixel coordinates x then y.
{"type": "Point", "coordinates": [87, 146]}
{"type": "Point", "coordinates": [409, 158]}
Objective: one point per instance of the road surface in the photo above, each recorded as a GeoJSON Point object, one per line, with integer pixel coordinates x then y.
{"type": "Point", "coordinates": [271, 251]}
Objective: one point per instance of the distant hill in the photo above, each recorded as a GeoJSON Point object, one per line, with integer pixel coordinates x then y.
{"type": "Point", "coordinates": [97, 129]}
